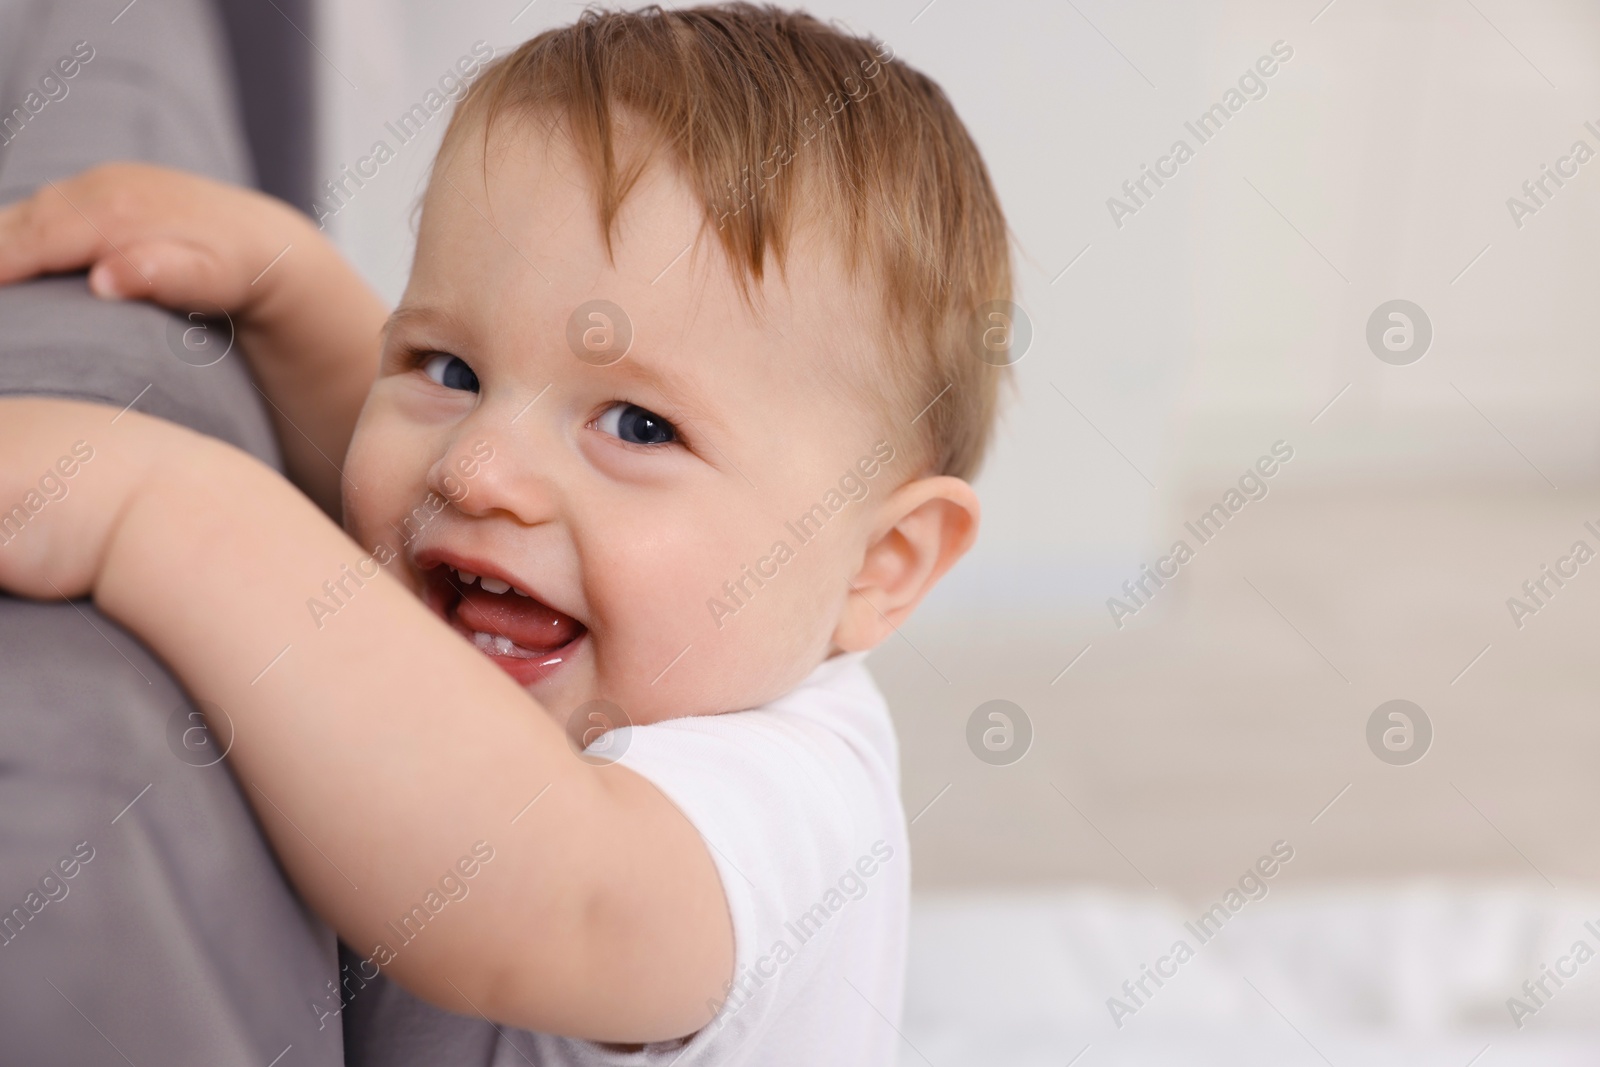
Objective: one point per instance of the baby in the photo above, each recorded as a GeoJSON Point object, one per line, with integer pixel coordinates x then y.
{"type": "Point", "coordinates": [568, 727]}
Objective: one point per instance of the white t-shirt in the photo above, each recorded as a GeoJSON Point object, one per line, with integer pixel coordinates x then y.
{"type": "Point", "coordinates": [799, 803]}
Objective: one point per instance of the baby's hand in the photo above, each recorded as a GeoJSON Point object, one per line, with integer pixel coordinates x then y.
{"type": "Point", "coordinates": [306, 321]}
{"type": "Point", "coordinates": [151, 233]}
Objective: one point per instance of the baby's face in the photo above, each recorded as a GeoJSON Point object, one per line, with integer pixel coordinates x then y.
{"type": "Point", "coordinates": [650, 509]}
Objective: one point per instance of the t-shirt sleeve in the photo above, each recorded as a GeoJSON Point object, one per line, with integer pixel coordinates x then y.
{"type": "Point", "coordinates": [802, 819]}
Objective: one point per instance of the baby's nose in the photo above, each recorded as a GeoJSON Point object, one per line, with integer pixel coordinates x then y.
{"type": "Point", "coordinates": [480, 475]}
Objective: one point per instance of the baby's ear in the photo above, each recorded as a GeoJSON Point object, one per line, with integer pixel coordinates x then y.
{"type": "Point", "coordinates": [919, 533]}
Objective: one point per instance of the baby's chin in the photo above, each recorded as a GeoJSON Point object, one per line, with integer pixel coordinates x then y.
{"type": "Point", "coordinates": [564, 685]}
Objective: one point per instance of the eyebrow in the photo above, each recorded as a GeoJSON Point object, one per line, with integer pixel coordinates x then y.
{"type": "Point", "coordinates": [422, 315]}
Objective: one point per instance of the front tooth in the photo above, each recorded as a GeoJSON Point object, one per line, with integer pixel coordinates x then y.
{"type": "Point", "coordinates": [467, 578]}
{"type": "Point", "coordinates": [485, 642]}
{"type": "Point", "coordinates": [502, 645]}
{"type": "Point", "coordinates": [519, 592]}
{"type": "Point", "coordinates": [494, 585]}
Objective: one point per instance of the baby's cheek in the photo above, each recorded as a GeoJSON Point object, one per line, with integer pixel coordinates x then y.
{"type": "Point", "coordinates": [364, 489]}
{"type": "Point", "coordinates": [774, 602]}
{"type": "Point", "coordinates": [380, 486]}
{"type": "Point", "coordinates": [665, 589]}
{"type": "Point", "coordinates": [689, 628]}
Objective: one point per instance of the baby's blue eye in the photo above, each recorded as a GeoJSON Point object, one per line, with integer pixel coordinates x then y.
{"type": "Point", "coordinates": [450, 372]}
{"type": "Point", "coordinates": [636, 425]}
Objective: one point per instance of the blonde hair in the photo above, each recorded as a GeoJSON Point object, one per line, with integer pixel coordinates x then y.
{"type": "Point", "coordinates": [768, 112]}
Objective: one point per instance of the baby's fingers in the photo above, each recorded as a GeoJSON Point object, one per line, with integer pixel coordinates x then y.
{"type": "Point", "coordinates": [172, 273]}
{"type": "Point", "coordinates": [46, 234]}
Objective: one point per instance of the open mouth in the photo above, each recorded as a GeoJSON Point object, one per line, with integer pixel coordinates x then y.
{"type": "Point", "coordinates": [526, 637]}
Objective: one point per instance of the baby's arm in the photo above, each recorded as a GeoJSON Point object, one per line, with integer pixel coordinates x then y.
{"type": "Point", "coordinates": [305, 320]}
{"type": "Point", "coordinates": [378, 749]}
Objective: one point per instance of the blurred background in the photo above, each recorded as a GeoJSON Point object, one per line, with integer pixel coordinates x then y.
{"type": "Point", "coordinates": [1150, 758]}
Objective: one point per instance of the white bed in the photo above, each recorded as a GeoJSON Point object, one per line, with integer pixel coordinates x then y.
{"type": "Point", "coordinates": [1416, 974]}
